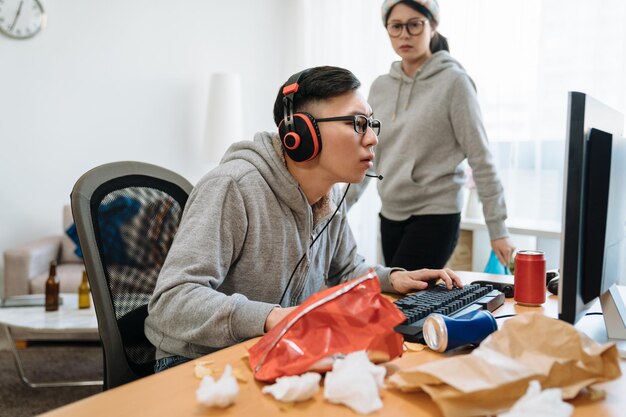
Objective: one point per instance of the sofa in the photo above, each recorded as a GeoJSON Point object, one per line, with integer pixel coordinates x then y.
{"type": "Point", "coordinates": [26, 269]}
{"type": "Point", "coordinates": [26, 266]}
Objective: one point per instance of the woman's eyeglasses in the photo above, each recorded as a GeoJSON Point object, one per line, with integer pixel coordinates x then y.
{"type": "Point", "coordinates": [360, 122]}
{"type": "Point", "coordinates": [413, 27]}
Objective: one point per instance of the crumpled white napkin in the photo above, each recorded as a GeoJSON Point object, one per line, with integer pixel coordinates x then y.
{"type": "Point", "coordinates": [537, 403]}
{"type": "Point", "coordinates": [355, 381]}
{"type": "Point", "coordinates": [218, 394]}
{"type": "Point", "coordinates": [294, 388]}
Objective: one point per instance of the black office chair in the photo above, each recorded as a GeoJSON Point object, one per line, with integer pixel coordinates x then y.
{"type": "Point", "coordinates": [126, 215]}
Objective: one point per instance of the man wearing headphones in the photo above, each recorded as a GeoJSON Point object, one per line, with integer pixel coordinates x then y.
{"type": "Point", "coordinates": [266, 228]}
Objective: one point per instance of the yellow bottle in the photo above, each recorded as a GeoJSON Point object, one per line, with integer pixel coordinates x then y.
{"type": "Point", "coordinates": [83, 292]}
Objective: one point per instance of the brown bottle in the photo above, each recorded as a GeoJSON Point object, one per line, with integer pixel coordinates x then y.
{"type": "Point", "coordinates": [83, 292]}
{"type": "Point", "coordinates": [52, 289]}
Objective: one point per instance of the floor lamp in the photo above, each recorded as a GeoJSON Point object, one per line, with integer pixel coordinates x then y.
{"type": "Point", "coordinates": [224, 115]}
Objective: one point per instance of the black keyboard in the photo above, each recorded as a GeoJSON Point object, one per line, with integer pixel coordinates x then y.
{"type": "Point", "coordinates": [438, 299]}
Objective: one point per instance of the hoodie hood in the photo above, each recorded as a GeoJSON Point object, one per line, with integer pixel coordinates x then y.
{"type": "Point", "coordinates": [264, 154]}
{"type": "Point", "coordinates": [439, 62]}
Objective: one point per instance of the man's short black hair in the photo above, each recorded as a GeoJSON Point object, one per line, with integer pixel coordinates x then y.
{"type": "Point", "coordinates": [318, 83]}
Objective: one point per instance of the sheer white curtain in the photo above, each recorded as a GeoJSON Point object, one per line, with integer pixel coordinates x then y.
{"type": "Point", "coordinates": [344, 33]}
{"type": "Point", "coordinates": [523, 55]}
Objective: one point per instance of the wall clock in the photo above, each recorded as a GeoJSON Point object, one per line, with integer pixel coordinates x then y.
{"type": "Point", "coordinates": [21, 19]}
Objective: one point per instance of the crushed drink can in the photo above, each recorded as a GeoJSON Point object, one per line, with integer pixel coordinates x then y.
{"type": "Point", "coordinates": [530, 278]}
{"type": "Point", "coordinates": [443, 333]}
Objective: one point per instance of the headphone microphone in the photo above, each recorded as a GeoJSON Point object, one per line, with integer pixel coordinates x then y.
{"type": "Point", "coordinates": [380, 177]}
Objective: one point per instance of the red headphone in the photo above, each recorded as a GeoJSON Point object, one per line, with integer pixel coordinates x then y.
{"type": "Point", "coordinates": [298, 132]}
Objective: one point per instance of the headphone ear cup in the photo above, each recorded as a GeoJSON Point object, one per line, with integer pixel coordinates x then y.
{"type": "Point", "coordinates": [289, 140]}
{"type": "Point", "coordinates": [305, 143]}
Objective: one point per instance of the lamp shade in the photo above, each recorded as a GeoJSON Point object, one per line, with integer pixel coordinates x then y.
{"type": "Point", "coordinates": [224, 115]}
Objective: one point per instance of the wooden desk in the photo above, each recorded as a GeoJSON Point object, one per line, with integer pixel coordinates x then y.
{"type": "Point", "coordinates": [172, 393]}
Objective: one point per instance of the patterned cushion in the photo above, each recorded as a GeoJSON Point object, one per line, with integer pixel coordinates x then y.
{"type": "Point", "coordinates": [149, 234]}
{"type": "Point", "coordinates": [135, 231]}
{"type": "Point", "coordinates": [144, 237]}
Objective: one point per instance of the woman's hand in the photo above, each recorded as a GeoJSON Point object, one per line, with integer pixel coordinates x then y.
{"type": "Point", "coordinates": [405, 281]}
{"type": "Point", "coordinates": [503, 249]}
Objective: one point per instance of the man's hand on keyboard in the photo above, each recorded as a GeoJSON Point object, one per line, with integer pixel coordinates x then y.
{"type": "Point", "coordinates": [406, 281]}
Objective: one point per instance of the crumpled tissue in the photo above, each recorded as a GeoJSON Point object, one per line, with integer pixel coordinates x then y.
{"type": "Point", "coordinates": [218, 394]}
{"type": "Point", "coordinates": [537, 403]}
{"type": "Point", "coordinates": [294, 388]}
{"type": "Point", "coordinates": [355, 381]}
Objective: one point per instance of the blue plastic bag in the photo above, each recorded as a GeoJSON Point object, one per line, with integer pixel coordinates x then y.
{"type": "Point", "coordinates": [495, 267]}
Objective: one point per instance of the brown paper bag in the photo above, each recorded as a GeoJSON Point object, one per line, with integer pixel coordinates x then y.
{"type": "Point", "coordinates": [496, 374]}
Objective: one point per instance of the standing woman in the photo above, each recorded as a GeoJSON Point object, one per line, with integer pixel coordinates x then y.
{"type": "Point", "coordinates": [431, 123]}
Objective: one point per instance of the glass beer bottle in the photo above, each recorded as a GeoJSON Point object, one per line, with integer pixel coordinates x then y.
{"type": "Point", "coordinates": [83, 292]}
{"type": "Point", "coordinates": [52, 289]}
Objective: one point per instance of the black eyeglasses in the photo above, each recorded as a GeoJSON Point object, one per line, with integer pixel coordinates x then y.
{"type": "Point", "coordinates": [413, 27]}
{"type": "Point", "coordinates": [359, 121]}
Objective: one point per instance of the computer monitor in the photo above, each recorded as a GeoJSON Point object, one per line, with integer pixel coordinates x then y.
{"type": "Point", "coordinates": [593, 234]}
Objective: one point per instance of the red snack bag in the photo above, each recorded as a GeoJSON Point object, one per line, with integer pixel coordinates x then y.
{"type": "Point", "coordinates": [346, 318]}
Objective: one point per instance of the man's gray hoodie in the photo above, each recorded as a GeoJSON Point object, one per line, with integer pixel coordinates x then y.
{"type": "Point", "coordinates": [430, 124]}
{"type": "Point", "coordinates": [244, 228]}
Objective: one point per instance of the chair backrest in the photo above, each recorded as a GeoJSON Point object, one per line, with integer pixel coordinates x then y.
{"type": "Point", "coordinates": [126, 216]}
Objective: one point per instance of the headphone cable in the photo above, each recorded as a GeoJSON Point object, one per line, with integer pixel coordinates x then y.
{"type": "Point", "coordinates": [311, 245]}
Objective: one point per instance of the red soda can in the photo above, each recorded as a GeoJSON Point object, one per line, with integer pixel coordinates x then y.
{"type": "Point", "coordinates": [530, 278]}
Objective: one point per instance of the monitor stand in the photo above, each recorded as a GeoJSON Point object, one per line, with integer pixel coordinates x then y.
{"type": "Point", "coordinates": [608, 325]}
{"type": "Point", "coordinates": [614, 312]}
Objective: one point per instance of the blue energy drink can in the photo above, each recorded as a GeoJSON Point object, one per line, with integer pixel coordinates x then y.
{"type": "Point", "coordinates": [443, 333]}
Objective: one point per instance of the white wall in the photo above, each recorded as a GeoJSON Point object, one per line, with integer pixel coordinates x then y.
{"type": "Point", "coordinates": [123, 80]}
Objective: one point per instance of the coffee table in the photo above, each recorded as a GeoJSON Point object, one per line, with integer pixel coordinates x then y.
{"type": "Point", "coordinates": [67, 319]}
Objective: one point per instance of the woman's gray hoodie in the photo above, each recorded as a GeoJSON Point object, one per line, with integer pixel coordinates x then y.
{"type": "Point", "coordinates": [430, 124]}
{"type": "Point", "coordinates": [244, 228]}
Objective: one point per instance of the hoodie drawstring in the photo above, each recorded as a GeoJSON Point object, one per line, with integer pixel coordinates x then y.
{"type": "Point", "coordinates": [408, 100]}
{"type": "Point", "coordinates": [395, 109]}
